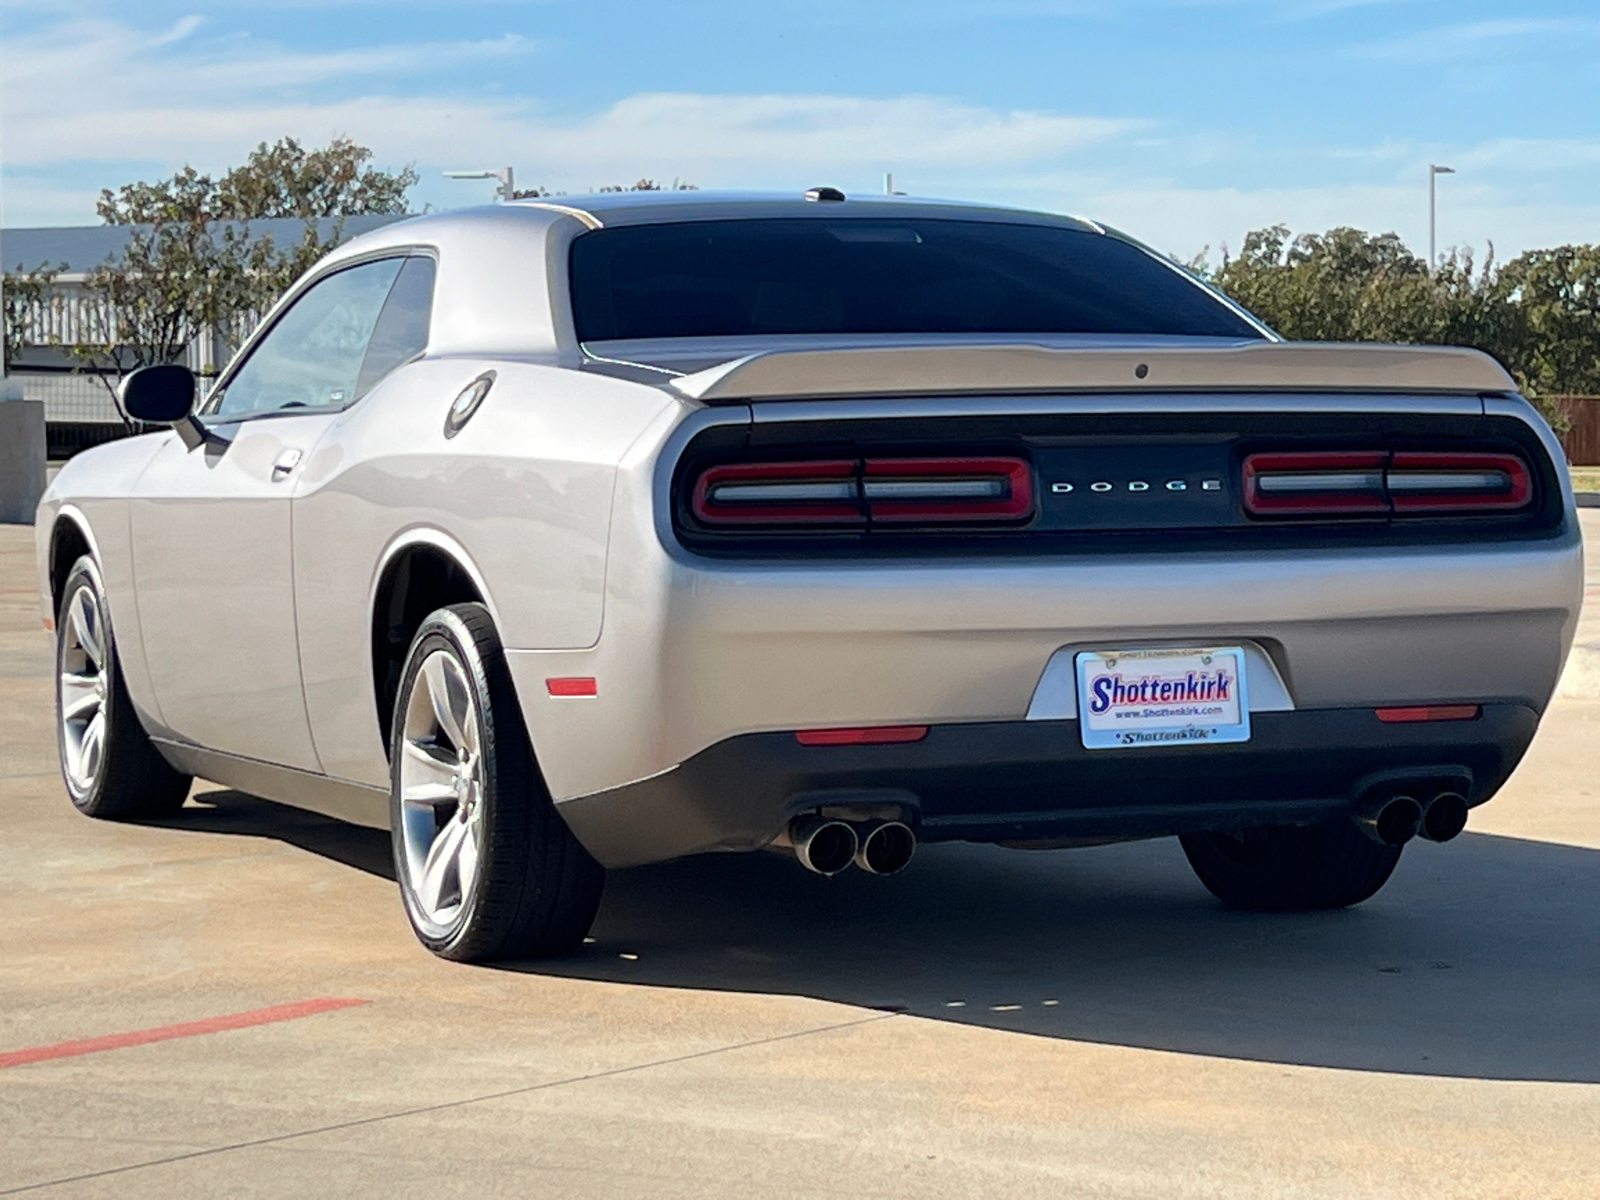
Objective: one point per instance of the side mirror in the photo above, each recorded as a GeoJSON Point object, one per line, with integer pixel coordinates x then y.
{"type": "Point", "coordinates": [164, 395]}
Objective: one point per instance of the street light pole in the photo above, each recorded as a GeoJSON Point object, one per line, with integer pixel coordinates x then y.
{"type": "Point", "coordinates": [1434, 171]}
{"type": "Point", "coordinates": [507, 189]}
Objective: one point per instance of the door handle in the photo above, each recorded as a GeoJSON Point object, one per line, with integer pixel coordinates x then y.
{"type": "Point", "coordinates": [285, 465]}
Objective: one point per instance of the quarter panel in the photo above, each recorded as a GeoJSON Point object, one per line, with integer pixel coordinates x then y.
{"type": "Point", "coordinates": [524, 490]}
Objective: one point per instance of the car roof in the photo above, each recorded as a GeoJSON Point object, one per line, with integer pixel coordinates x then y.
{"type": "Point", "coordinates": [657, 207]}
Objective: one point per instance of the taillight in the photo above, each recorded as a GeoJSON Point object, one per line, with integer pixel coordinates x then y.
{"type": "Point", "coordinates": [947, 489]}
{"type": "Point", "coordinates": [822, 493]}
{"type": "Point", "coordinates": [901, 491]}
{"type": "Point", "coordinates": [1290, 484]}
{"type": "Point", "coordinates": [1372, 483]}
{"type": "Point", "coordinates": [1444, 482]}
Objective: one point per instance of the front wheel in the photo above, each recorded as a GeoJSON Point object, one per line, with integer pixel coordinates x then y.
{"type": "Point", "coordinates": [110, 767]}
{"type": "Point", "coordinates": [1291, 868]}
{"type": "Point", "coordinates": [487, 869]}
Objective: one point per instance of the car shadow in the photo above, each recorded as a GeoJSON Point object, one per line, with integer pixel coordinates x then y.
{"type": "Point", "coordinates": [1480, 959]}
{"type": "Point", "coordinates": [229, 812]}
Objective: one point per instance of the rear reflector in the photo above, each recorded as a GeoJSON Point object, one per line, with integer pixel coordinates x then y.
{"type": "Point", "coordinates": [1376, 482]}
{"type": "Point", "coordinates": [933, 491]}
{"type": "Point", "coordinates": [864, 736]}
{"type": "Point", "coordinates": [1428, 712]}
{"type": "Point", "coordinates": [572, 685]}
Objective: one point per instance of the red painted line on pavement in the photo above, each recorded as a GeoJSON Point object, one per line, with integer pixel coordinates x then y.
{"type": "Point", "coordinates": [162, 1033]}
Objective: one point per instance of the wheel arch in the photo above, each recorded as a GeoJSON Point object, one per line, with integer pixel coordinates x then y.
{"type": "Point", "coordinates": [420, 571]}
{"type": "Point", "coordinates": [70, 539]}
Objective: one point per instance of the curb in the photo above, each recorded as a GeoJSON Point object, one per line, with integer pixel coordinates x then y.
{"type": "Point", "coordinates": [1587, 499]}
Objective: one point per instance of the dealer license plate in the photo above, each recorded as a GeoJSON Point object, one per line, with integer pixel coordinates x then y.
{"type": "Point", "coordinates": [1133, 698]}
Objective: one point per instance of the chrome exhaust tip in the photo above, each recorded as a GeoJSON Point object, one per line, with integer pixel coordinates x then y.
{"type": "Point", "coordinates": [1445, 818]}
{"type": "Point", "coordinates": [1392, 823]}
{"type": "Point", "coordinates": [821, 845]}
{"type": "Point", "coordinates": [886, 848]}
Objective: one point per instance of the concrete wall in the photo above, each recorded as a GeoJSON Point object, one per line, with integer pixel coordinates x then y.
{"type": "Point", "coordinates": [21, 456]}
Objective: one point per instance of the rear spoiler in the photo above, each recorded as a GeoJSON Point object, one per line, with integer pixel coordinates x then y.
{"type": "Point", "coordinates": [1256, 367]}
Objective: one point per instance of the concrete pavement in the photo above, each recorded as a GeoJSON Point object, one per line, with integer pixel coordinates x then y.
{"type": "Point", "coordinates": [1085, 1023]}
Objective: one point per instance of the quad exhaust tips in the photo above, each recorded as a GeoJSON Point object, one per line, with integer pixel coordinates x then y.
{"type": "Point", "coordinates": [827, 846]}
{"type": "Point", "coordinates": [1393, 820]}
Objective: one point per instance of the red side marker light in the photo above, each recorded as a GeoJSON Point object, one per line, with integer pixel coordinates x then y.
{"type": "Point", "coordinates": [1428, 712]}
{"type": "Point", "coordinates": [572, 685]}
{"type": "Point", "coordinates": [870, 735]}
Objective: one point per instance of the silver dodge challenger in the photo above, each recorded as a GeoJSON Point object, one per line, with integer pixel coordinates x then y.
{"type": "Point", "coordinates": [558, 537]}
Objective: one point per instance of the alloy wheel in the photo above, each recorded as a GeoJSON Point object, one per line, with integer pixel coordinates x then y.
{"type": "Point", "coordinates": [84, 683]}
{"type": "Point", "coordinates": [441, 790]}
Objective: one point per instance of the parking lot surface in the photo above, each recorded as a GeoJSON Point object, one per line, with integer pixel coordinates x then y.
{"type": "Point", "coordinates": [990, 1023]}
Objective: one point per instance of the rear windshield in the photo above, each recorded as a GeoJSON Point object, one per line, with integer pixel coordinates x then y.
{"type": "Point", "coordinates": [788, 276]}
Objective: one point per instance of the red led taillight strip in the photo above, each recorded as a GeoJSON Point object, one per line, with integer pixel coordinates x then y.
{"type": "Point", "coordinates": [778, 493]}
{"type": "Point", "coordinates": [1290, 484]}
{"type": "Point", "coordinates": [902, 491]}
{"type": "Point", "coordinates": [1370, 483]}
{"type": "Point", "coordinates": [1420, 482]}
{"type": "Point", "coordinates": [947, 489]}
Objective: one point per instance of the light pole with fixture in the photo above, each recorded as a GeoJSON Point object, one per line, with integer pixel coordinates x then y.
{"type": "Point", "coordinates": [507, 189]}
{"type": "Point", "coordinates": [1434, 171]}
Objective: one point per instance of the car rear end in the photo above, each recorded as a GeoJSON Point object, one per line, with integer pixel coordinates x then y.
{"type": "Point", "coordinates": [886, 607]}
{"type": "Point", "coordinates": [1111, 594]}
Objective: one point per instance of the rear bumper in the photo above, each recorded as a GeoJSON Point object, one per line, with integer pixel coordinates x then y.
{"type": "Point", "coordinates": [1033, 780]}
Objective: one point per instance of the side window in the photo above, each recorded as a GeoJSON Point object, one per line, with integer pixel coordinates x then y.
{"type": "Point", "coordinates": [312, 357]}
{"type": "Point", "coordinates": [402, 330]}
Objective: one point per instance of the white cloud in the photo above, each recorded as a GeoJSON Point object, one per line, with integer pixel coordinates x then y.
{"type": "Point", "coordinates": [96, 91]}
{"type": "Point", "coordinates": [92, 102]}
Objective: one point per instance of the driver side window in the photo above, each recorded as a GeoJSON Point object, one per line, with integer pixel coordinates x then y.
{"type": "Point", "coordinates": [312, 356]}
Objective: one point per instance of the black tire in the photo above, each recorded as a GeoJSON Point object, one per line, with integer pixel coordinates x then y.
{"type": "Point", "coordinates": [533, 889]}
{"type": "Point", "coordinates": [128, 779]}
{"type": "Point", "coordinates": [1291, 868]}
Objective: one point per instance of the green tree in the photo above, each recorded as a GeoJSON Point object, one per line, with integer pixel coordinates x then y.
{"type": "Point", "coordinates": [191, 261]}
{"type": "Point", "coordinates": [1539, 315]}
{"type": "Point", "coordinates": [23, 290]}
{"type": "Point", "coordinates": [1557, 294]}
{"type": "Point", "coordinates": [643, 185]}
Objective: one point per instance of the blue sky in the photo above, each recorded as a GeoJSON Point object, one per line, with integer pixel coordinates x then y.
{"type": "Point", "coordinates": [1186, 122]}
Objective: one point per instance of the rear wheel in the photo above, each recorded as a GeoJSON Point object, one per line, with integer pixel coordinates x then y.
{"type": "Point", "coordinates": [110, 767]}
{"type": "Point", "coordinates": [1291, 869]}
{"type": "Point", "coordinates": [487, 869]}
